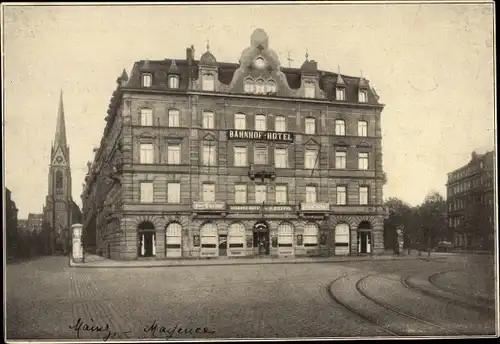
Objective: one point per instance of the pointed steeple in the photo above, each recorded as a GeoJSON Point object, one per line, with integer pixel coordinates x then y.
{"type": "Point", "coordinates": [60, 138]}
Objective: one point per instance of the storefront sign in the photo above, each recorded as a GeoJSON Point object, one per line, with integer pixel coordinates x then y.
{"type": "Point", "coordinates": [260, 135]}
{"type": "Point", "coordinates": [258, 208]}
{"type": "Point", "coordinates": [315, 206]}
{"type": "Point", "coordinates": [209, 205]}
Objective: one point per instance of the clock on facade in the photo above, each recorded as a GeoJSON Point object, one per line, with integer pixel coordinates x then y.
{"type": "Point", "coordinates": [59, 159]}
{"type": "Point", "coordinates": [259, 62]}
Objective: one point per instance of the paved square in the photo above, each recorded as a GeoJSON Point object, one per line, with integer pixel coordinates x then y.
{"type": "Point", "coordinates": [46, 299]}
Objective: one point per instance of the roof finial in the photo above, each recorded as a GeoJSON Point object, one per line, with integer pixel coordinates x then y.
{"type": "Point", "coordinates": [208, 45]}
{"type": "Point", "coordinates": [289, 60]}
{"type": "Point", "coordinates": [361, 73]}
{"type": "Point", "coordinates": [307, 54]}
{"type": "Point", "coordinates": [338, 69]}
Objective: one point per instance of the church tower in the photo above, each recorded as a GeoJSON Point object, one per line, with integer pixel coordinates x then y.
{"type": "Point", "coordinates": [59, 201]}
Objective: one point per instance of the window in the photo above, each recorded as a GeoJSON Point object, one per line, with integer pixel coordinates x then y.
{"type": "Point", "coordinates": [260, 87]}
{"type": "Point", "coordinates": [280, 158]}
{"type": "Point", "coordinates": [240, 156]}
{"type": "Point", "coordinates": [281, 194]}
{"type": "Point", "coordinates": [146, 192]}
{"type": "Point", "coordinates": [285, 235]}
{"type": "Point", "coordinates": [59, 180]}
{"type": "Point", "coordinates": [240, 193]}
{"type": "Point", "coordinates": [173, 81]}
{"type": "Point", "coordinates": [341, 195]}
{"type": "Point", "coordinates": [208, 192]}
{"type": "Point", "coordinates": [342, 239]}
{"type": "Point", "coordinates": [146, 153]}
{"type": "Point", "coordinates": [310, 194]}
{"type": "Point", "coordinates": [208, 82]}
{"type": "Point", "coordinates": [260, 122]}
{"type": "Point", "coordinates": [249, 86]}
{"type": "Point", "coordinates": [173, 118]}
{"type": "Point", "coordinates": [310, 160]}
{"type": "Point", "coordinates": [310, 124]}
{"type": "Point", "coordinates": [173, 240]}
{"type": "Point", "coordinates": [146, 117]}
{"type": "Point", "coordinates": [340, 93]}
{"type": "Point", "coordinates": [280, 123]}
{"type": "Point", "coordinates": [363, 96]}
{"type": "Point", "coordinates": [240, 121]}
{"type": "Point", "coordinates": [147, 80]}
{"type": "Point", "coordinates": [173, 192]}
{"type": "Point", "coordinates": [340, 127]}
{"type": "Point", "coordinates": [208, 236]}
{"type": "Point", "coordinates": [310, 235]}
{"type": "Point", "coordinates": [174, 154]}
{"type": "Point", "coordinates": [340, 159]}
{"type": "Point", "coordinates": [309, 89]}
{"type": "Point", "coordinates": [363, 195]}
{"type": "Point", "coordinates": [260, 156]}
{"type": "Point", "coordinates": [270, 86]}
{"type": "Point", "coordinates": [260, 193]}
{"type": "Point", "coordinates": [363, 161]}
{"type": "Point", "coordinates": [208, 119]}
{"type": "Point", "coordinates": [362, 128]}
{"type": "Point", "coordinates": [209, 155]}
{"type": "Point", "coordinates": [236, 235]}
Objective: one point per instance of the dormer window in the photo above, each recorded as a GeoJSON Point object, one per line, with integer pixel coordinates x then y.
{"type": "Point", "coordinates": [340, 93]}
{"type": "Point", "coordinates": [270, 87]}
{"type": "Point", "coordinates": [259, 63]}
{"type": "Point", "coordinates": [260, 87]}
{"type": "Point", "coordinates": [309, 89]}
{"type": "Point", "coordinates": [173, 81]}
{"type": "Point", "coordinates": [249, 85]}
{"type": "Point", "coordinates": [363, 96]}
{"type": "Point", "coordinates": [208, 81]}
{"type": "Point", "coordinates": [147, 79]}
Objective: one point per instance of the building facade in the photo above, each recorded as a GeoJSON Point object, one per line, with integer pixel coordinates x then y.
{"type": "Point", "coordinates": [470, 201]}
{"type": "Point", "coordinates": [59, 205]}
{"type": "Point", "coordinates": [207, 159]}
{"type": "Point", "coordinates": [11, 225]}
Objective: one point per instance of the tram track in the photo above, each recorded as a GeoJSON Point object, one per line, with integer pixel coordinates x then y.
{"type": "Point", "coordinates": [448, 295]}
{"type": "Point", "coordinates": [383, 315]}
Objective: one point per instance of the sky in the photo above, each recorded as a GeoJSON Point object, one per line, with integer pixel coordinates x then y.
{"type": "Point", "coordinates": [431, 64]}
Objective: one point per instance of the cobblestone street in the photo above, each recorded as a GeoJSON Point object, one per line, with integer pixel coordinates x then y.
{"type": "Point", "coordinates": [46, 298]}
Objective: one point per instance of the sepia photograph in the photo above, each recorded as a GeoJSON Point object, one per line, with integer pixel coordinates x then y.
{"type": "Point", "coordinates": [234, 171]}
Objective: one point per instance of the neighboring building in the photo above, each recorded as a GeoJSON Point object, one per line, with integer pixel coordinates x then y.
{"type": "Point", "coordinates": [470, 201]}
{"type": "Point", "coordinates": [35, 223]}
{"type": "Point", "coordinates": [207, 159]}
{"type": "Point", "coordinates": [59, 208]}
{"type": "Point", "coordinates": [11, 225]}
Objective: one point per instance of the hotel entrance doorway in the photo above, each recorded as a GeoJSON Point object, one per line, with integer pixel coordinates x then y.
{"type": "Point", "coordinates": [261, 238]}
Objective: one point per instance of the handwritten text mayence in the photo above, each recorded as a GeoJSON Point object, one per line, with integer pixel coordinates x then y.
{"type": "Point", "coordinates": [169, 332]}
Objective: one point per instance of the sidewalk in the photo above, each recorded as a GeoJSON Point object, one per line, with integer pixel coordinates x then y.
{"type": "Point", "coordinates": [94, 261]}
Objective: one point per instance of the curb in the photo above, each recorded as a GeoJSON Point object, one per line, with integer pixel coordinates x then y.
{"type": "Point", "coordinates": [256, 262]}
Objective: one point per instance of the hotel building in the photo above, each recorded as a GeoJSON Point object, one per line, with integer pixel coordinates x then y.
{"type": "Point", "coordinates": [201, 158]}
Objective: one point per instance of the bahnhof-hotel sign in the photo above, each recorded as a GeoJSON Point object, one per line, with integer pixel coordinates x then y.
{"type": "Point", "coordinates": [260, 135]}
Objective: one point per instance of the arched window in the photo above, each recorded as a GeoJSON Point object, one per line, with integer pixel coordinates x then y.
{"type": "Point", "coordinates": [146, 117]}
{"type": "Point", "coordinates": [146, 239]}
{"type": "Point", "coordinates": [147, 80]}
{"type": "Point", "coordinates": [249, 85]}
{"type": "Point", "coordinates": [311, 235]}
{"type": "Point", "coordinates": [340, 127]}
{"type": "Point", "coordinates": [240, 121]}
{"type": "Point", "coordinates": [208, 239]}
{"type": "Point", "coordinates": [173, 240]}
{"type": "Point", "coordinates": [342, 239]}
{"type": "Point", "coordinates": [208, 82]}
{"type": "Point", "coordinates": [271, 86]}
{"type": "Point", "coordinates": [173, 81]}
{"type": "Point", "coordinates": [362, 128]}
{"type": "Point", "coordinates": [310, 124]}
{"type": "Point", "coordinates": [236, 236]}
{"type": "Point", "coordinates": [260, 87]}
{"type": "Point", "coordinates": [59, 180]}
{"type": "Point", "coordinates": [285, 235]}
{"type": "Point", "coordinates": [260, 122]}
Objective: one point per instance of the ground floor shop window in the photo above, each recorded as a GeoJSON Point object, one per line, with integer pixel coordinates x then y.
{"type": "Point", "coordinates": [310, 235]}
{"type": "Point", "coordinates": [342, 239]}
{"type": "Point", "coordinates": [173, 240]}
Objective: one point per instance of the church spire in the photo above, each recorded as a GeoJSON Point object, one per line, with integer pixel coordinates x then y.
{"type": "Point", "coordinates": [60, 138]}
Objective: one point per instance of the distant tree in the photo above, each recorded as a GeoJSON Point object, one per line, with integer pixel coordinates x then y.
{"type": "Point", "coordinates": [432, 219]}
{"type": "Point", "coordinates": [400, 215]}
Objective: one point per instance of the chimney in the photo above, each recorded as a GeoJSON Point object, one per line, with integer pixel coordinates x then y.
{"type": "Point", "coordinates": [188, 55]}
